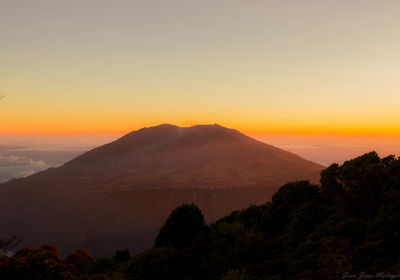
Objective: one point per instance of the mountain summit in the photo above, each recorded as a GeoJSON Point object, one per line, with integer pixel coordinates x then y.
{"type": "Point", "coordinates": [119, 194]}
{"type": "Point", "coordinates": [198, 156]}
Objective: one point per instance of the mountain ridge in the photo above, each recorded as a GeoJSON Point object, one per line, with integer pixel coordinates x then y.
{"type": "Point", "coordinates": [121, 192]}
{"type": "Point", "coordinates": [202, 153]}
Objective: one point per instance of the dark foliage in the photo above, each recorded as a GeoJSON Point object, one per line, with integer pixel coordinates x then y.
{"type": "Point", "coordinates": [349, 224]}
{"type": "Point", "coordinates": [122, 256]}
{"type": "Point", "coordinates": [183, 225]}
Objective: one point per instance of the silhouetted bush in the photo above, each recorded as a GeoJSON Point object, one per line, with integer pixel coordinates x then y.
{"type": "Point", "coordinates": [122, 256]}
{"type": "Point", "coordinates": [183, 225]}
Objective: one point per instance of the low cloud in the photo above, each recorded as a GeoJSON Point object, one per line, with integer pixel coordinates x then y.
{"type": "Point", "coordinates": [17, 166]}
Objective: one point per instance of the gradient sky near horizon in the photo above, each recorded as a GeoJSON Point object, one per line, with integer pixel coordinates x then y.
{"type": "Point", "coordinates": [262, 67]}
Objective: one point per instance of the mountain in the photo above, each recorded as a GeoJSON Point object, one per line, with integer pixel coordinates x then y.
{"type": "Point", "coordinates": [119, 194]}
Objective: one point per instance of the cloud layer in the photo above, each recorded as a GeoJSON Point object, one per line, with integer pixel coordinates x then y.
{"type": "Point", "coordinates": [17, 166]}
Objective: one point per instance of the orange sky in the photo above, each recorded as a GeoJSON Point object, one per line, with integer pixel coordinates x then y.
{"type": "Point", "coordinates": [262, 67]}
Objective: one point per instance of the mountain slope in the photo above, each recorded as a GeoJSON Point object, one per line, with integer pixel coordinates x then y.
{"type": "Point", "coordinates": [198, 156]}
{"type": "Point", "coordinates": [117, 195]}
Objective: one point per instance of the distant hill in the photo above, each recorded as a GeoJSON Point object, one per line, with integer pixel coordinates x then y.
{"type": "Point", "coordinates": [119, 194]}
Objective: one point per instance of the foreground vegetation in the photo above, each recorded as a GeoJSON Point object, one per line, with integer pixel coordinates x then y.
{"type": "Point", "coordinates": [348, 225]}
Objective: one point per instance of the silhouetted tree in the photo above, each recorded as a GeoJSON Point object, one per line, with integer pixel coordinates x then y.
{"type": "Point", "coordinates": [183, 225]}
{"type": "Point", "coordinates": [79, 258]}
{"type": "Point", "coordinates": [122, 255]}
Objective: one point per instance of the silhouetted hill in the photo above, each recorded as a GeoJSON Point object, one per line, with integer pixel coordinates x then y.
{"type": "Point", "coordinates": [117, 195]}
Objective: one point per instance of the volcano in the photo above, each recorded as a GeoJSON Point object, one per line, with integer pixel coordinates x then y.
{"type": "Point", "coordinates": [117, 196]}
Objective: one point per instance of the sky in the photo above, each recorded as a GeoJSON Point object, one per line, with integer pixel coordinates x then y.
{"type": "Point", "coordinates": [97, 66]}
{"type": "Point", "coordinates": [297, 74]}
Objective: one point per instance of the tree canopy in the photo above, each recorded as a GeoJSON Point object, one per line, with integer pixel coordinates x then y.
{"type": "Point", "coordinates": [183, 225]}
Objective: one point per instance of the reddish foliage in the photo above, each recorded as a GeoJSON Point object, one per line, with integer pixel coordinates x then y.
{"type": "Point", "coordinates": [79, 258]}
